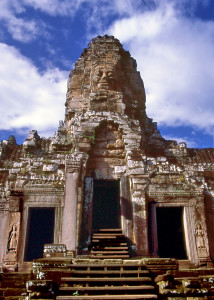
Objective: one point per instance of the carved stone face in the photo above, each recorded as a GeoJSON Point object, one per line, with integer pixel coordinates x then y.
{"type": "Point", "coordinates": [103, 77]}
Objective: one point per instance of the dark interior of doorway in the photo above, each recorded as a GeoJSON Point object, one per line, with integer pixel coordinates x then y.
{"type": "Point", "coordinates": [40, 231]}
{"type": "Point", "coordinates": [171, 242]}
{"type": "Point", "coordinates": [106, 206]}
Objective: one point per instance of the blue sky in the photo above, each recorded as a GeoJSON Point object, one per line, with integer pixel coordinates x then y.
{"type": "Point", "coordinates": [172, 41]}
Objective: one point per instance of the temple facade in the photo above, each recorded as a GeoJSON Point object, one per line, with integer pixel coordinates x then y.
{"type": "Point", "coordinates": [106, 167]}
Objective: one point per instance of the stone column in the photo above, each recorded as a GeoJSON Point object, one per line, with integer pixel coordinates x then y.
{"type": "Point", "coordinates": [140, 220]}
{"type": "Point", "coordinates": [140, 215]}
{"type": "Point", "coordinates": [126, 207]}
{"type": "Point", "coordinates": [69, 220]}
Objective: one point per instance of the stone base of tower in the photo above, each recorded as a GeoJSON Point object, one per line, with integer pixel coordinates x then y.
{"type": "Point", "coordinates": [60, 276]}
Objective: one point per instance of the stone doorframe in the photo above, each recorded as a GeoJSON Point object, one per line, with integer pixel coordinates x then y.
{"type": "Point", "coordinates": [194, 254]}
{"type": "Point", "coordinates": [40, 196]}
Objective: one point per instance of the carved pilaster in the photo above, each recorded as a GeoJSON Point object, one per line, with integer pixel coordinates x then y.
{"type": "Point", "coordinates": [140, 216]}
{"type": "Point", "coordinates": [201, 233]}
{"type": "Point", "coordinates": [74, 165]}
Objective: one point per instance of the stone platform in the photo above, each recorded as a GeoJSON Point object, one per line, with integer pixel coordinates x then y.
{"type": "Point", "coordinates": [64, 277]}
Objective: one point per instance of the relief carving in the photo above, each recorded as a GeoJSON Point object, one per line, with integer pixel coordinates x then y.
{"type": "Point", "coordinates": [13, 239]}
{"type": "Point", "coordinates": [200, 242]}
{"type": "Point", "coordinates": [10, 259]}
{"type": "Point", "coordinates": [105, 79]}
{"type": "Point", "coordinates": [118, 143]}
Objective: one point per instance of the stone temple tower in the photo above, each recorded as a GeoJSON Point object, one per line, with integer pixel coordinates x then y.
{"type": "Point", "coordinates": [106, 168]}
{"type": "Point", "coordinates": [107, 123]}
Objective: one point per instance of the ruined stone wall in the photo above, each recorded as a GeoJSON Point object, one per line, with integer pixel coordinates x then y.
{"type": "Point", "coordinates": [31, 175]}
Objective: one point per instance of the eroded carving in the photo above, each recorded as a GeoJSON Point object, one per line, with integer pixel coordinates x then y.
{"type": "Point", "coordinates": [13, 239]}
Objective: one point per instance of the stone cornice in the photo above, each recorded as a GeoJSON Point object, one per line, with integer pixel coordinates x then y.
{"type": "Point", "coordinates": [174, 192]}
{"type": "Point", "coordinates": [39, 189]}
{"type": "Point", "coordinates": [73, 162]}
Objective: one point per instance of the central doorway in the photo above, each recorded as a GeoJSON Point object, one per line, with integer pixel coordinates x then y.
{"type": "Point", "coordinates": [106, 204]}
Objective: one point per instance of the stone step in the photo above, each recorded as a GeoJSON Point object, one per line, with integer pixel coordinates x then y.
{"type": "Point", "coordinates": [110, 252]}
{"type": "Point", "coordinates": [108, 238]}
{"type": "Point", "coordinates": [110, 235]}
{"type": "Point", "coordinates": [105, 289]}
{"type": "Point", "coordinates": [17, 298]}
{"type": "Point", "coordinates": [107, 242]}
{"type": "Point", "coordinates": [10, 292]}
{"type": "Point", "coordinates": [102, 248]}
{"type": "Point", "coordinates": [14, 279]}
{"type": "Point", "coordinates": [106, 279]}
{"type": "Point", "coordinates": [108, 256]}
{"type": "Point", "coordinates": [110, 265]}
{"type": "Point", "coordinates": [109, 297]}
{"type": "Point", "coordinates": [109, 230]}
{"type": "Point", "coordinates": [110, 272]}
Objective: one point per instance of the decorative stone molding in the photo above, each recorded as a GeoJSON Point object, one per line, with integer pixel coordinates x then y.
{"type": "Point", "coordinates": [54, 250]}
{"type": "Point", "coordinates": [73, 162]}
{"type": "Point", "coordinates": [44, 189]}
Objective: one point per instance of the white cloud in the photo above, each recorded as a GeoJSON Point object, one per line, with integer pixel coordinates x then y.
{"type": "Point", "coordinates": [21, 28]}
{"type": "Point", "coordinates": [67, 7]}
{"type": "Point", "coordinates": [95, 13]}
{"type": "Point", "coordinates": [176, 58]}
{"type": "Point", "coordinates": [29, 99]}
{"type": "Point", "coordinates": [54, 7]}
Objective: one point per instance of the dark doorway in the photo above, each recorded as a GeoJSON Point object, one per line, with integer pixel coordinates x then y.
{"type": "Point", "coordinates": [40, 231]}
{"type": "Point", "coordinates": [106, 206]}
{"type": "Point", "coordinates": [171, 242]}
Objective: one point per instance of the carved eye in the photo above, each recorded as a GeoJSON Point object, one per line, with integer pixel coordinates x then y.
{"type": "Point", "coordinates": [96, 75]}
{"type": "Point", "coordinates": [110, 74]}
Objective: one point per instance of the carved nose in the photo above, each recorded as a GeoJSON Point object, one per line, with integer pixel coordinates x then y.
{"type": "Point", "coordinates": [104, 76]}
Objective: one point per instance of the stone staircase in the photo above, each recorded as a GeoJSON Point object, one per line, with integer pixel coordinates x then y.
{"type": "Point", "coordinates": [107, 279]}
{"type": "Point", "coordinates": [107, 272]}
{"type": "Point", "coordinates": [13, 285]}
{"type": "Point", "coordinates": [109, 244]}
